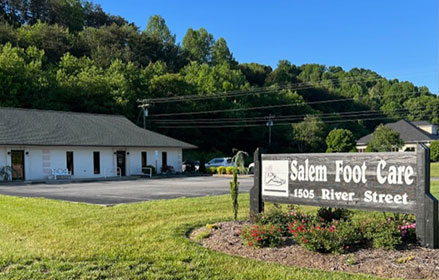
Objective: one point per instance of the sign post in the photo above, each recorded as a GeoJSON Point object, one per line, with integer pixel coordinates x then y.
{"type": "Point", "coordinates": [394, 182]}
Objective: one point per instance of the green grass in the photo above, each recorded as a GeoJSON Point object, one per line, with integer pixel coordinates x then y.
{"type": "Point", "coordinates": [47, 239]}
{"type": "Point", "coordinates": [434, 169]}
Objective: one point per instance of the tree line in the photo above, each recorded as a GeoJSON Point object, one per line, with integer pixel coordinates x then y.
{"type": "Point", "coordinates": [71, 55]}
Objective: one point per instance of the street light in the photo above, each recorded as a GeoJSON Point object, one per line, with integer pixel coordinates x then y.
{"type": "Point", "coordinates": [269, 124]}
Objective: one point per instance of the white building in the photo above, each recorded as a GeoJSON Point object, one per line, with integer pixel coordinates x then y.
{"type": "Point", "coordinates": [411, 133]}
{"type": "Point", "coordinates": [35, 142]}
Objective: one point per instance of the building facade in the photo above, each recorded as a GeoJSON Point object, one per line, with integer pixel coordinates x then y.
{"type": "Point", "coordinates": [411, 133]}
{"type": "Point", "coordinates": [34, 143]}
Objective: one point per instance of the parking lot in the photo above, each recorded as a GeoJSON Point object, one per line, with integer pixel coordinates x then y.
{"type": "Point", "coordinates": [115, 192]}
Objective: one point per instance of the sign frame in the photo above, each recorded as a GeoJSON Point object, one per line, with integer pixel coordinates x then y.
{"type": "Point", "coordinates": [425, 208]}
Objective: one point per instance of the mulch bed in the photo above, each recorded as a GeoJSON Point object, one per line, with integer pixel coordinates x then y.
{"type": "Point", "coordinates": [413, 262]}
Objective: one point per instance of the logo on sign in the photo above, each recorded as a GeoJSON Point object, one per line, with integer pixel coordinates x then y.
{"type": "Point", "coordinates": [275, 178]}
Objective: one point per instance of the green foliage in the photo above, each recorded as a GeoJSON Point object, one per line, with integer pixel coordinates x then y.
{"type": "Point", "coordinates": [309, 134]}
{"type": "Point", "coordinates": [335, 237]}
{"type": "Point", "coordinates": [280, 219]}
{"type": "Point", "coordinates": [198, 43]}
{"type": "Point", "coordinates": [221, 170]}
{"type": "Point", "coordinates": [340, 140]}
{"type": "Point", "coordinates": [153, 170]}
{"type": "Point", "coordinates": [384, 139]}
{"type": "Point", "coordinates": [6, 173]}
{"type": "Point", "coordinates": [203, 234]}
{"type": "Point", "coordinates": [158, 30]}
{"type": "Point", "coordinates": [389, 233]}
{"type": "Point", "coordinates": [210, 170]}
{"type": "Point", "coordinates": [434, 151]}
{"type": "Point", "coordinates": [234, 192]}
{"type": "Point", "coordinates": [239, 159]}
{"type": "Point", "coordinates": [71, 55]}
{"type": "Point", "coordinates": [230, 170]}
{"type": "Point", "coordinates": [221, 53]}
{"type": "Point", "coordinates": [261, 236]}
{"type": "Point", "coordinates": [334, 214]}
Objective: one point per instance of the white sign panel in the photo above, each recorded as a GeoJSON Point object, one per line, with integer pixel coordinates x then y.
{"type": "Point", "coordinates": [275, 177]}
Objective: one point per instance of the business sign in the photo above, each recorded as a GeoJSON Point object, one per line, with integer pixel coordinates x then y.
{"type": "Point", "coordinates": [395, 182]}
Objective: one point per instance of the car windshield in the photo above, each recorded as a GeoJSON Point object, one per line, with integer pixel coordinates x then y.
{"type": "Point", "coordinates": [216, 160]}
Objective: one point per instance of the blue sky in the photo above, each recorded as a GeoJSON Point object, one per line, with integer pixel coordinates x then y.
{"type": "Point", "coordinates": [395, 38]}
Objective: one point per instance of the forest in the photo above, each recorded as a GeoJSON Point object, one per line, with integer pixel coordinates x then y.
{"type": "Point", "coordinates": [71, 55]}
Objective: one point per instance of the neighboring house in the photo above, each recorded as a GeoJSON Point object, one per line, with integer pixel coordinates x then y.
{"type": "Point", "coordinates": [34, 142]}
{"type": "Point", "coordinates": [411, 133]}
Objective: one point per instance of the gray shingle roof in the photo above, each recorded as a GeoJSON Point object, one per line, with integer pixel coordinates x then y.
{"type": "Point", "coordinates": [55, 128]}
{"type": "Point", "coordinates": [408, 132]}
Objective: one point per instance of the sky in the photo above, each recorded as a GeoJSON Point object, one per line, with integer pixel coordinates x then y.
{"type": "Point", "coordinates": [398, 39]}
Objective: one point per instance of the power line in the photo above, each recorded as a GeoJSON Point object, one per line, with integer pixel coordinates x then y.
{"type": "Point", "coordinates": [276, 124]}
{"type": "Point", "coordinates": [261, 90]}
{"type": "Point", "coordinates": [403, 112]}
{"type": "Point", "coordinates": [277, 118]}
{"type": "Point", "coordinates": [270, 106]}
{"type": "Point", "coordinates": [250, 92]}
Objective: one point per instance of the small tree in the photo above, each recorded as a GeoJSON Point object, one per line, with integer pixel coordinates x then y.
{"type": "Point", "coordinates": [309, 134]}
{"type": "Point", "coordinates": [340, 140]}
{"type": "Point", "coordinates": [434, 151]}
{"type": "Point", "coordinates": [238, 163]}
{"type": "Point", "coordinates": [384, 139]}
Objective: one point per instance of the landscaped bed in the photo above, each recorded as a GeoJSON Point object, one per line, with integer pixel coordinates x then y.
{"type": "Point", "coordinates": [410, 262]}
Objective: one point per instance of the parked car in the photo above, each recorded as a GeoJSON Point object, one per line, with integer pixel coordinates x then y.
{"type": "Point", "coordinates": [251, 168]}
{"type": "Point", "coordinates": [190, 166]}
{"type": "Point", "coordinates": [225, 161]}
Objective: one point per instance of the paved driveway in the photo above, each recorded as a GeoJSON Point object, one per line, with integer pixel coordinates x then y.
{"type": "Point", "coordinates": [114, 192]}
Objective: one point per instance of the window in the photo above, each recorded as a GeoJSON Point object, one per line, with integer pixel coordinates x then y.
{"type": "Point", "coordinates": [97, 162]}
{"type": "Point", "coordinates": [69, 157]}
{"type": "Point", "coordinates": [164, 159]}
{"type": "Point", "coordinates": [144, 159]}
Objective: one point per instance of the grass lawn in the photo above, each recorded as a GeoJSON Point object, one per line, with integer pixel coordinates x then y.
{"type": "Point", "coordinates": [48, 239]}
{"type": "Point", "coordinates": [434, 169]}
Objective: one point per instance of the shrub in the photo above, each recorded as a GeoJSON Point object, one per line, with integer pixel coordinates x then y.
{"type": "Point", "coordinates": [280, 219]}
{"type": "Point", "coordinates": [334, 237]}
{"type": "Point", "coordinates": [434, 151]}
{"type": "Point", "coordinates": [146, 171]}
{"type": "Point", "coordinates": [261, 236]}
{"type": "Point", "coordinates": [211, 170]}
{"type": "Point", "coordinates": [389, 233]}
{"type": "Point", "coordinates": [221, 170]}
{"type": "Point", "coordinates": [229, 170]}
{"type": "Point", "coordinates": [329, 214]}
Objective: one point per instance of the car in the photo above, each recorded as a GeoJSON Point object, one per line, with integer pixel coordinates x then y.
{"type": "Point", "coordinates": [251, 168]}
{"type": "Point", "coordinates": [216, 162]}
{"type": "Point", "coordinates": [190, 166]}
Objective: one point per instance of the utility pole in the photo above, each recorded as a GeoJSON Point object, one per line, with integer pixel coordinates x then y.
{"type": "Point", "coordinates": [269, 124]}
{"type": "Point", "coordinates": [144, 106]}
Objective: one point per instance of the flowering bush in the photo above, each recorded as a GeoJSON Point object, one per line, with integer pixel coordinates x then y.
{"type": "Point", "coordinates": [280, 219]}
{"type": "Point", "coordinates": [261, 236]}
{"type": "Point", "coordinates": [389, 233]}
{"type": "Point", "coordinates": [408, 232]}
{"type": "Point", "coordinates": [334, 237]}
{"type": "Point", "coordinates": [330, 214]}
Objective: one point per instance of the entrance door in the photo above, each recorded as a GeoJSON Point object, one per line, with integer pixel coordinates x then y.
{"type": "Point", "coordinates": [164, 161]}
{"type": "Point", "coordinates": [121, 162]}
{"type": "Point", "coordinates": [17, 159]}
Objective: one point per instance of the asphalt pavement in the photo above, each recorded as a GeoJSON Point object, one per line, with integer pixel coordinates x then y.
{"type": "Point", "coordinates": [115, 192]}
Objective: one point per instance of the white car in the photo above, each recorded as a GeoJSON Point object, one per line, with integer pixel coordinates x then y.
{"type": "Point", "coordinates": [251, 168]}
{"type": "Point", "coordinates": [216, 162]}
